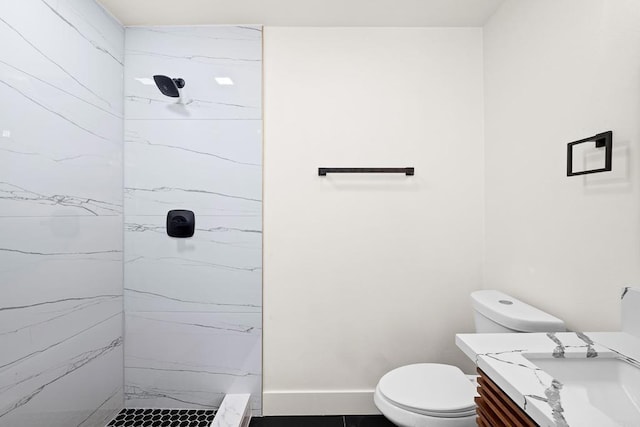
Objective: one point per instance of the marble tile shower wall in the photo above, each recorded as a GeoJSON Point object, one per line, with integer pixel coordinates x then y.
{"type": "Point", "coordinates": [193, 306]}
{"type": "Point", "coordinates": [61, 210]}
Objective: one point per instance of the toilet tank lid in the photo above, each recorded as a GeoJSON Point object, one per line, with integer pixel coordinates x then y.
{"type": "Point", "coordinates": [513, 313]}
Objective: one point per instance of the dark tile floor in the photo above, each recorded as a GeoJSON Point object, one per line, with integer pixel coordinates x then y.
{"type": "Point", "coordinates": [162, 418]}
{"type": "Point", "coordinates": [367, 421]}
{"type": "Point", "coordinates": [326, 421]}
{"type": "Point", "coordinates": [199, 418]}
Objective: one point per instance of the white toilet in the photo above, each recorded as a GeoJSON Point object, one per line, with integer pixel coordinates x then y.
{"type": "Point", "coordinates": [435, 395]}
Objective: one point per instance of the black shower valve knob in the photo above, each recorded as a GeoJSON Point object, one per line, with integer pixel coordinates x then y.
{"type": "Point", "coordinates": [181, 223]}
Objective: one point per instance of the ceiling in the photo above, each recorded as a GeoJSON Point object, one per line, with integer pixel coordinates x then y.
{"type": "Point", "coordinates": [312, 13]}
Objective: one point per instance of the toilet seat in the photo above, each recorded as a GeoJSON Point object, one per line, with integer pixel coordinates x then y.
{"type": "Point", "coordinates": [427, 394]}
{"type": "Point", "coordinates": [430, 389]}
{"type": "Point", "coordinates": [403, 418]}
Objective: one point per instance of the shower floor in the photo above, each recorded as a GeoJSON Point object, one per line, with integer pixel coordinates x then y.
{"type": "Point", "coordinates": [162, 418]}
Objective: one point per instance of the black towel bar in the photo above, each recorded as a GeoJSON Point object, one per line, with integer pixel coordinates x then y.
{"type": "Point", "coordinates": [406, 171]}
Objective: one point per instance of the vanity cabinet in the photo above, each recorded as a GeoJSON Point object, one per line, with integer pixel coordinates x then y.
{"type": "Point", "coordinates": [496, 409]}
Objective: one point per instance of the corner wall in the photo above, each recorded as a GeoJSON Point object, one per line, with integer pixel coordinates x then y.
{"type": "Point", "coordinates": [556, 72]}
{"type": "Point", "coordinates": [61, 65]}
{"type": "Point", "coordinates": [365, 273]}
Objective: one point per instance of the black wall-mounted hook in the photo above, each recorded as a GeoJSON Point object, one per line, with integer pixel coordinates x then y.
{"type": "Point", "coordinates": [602, 140]}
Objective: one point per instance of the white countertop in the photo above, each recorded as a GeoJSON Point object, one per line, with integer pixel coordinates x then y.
{"type": "Point", "coordinates": [545, 400]}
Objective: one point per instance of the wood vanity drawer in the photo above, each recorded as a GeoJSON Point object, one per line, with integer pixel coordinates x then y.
{"type": "Point", "coordinates": [496, 409]}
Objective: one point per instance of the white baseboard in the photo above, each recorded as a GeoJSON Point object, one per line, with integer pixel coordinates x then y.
{"type": "Point", "coordinates": [304, 402]}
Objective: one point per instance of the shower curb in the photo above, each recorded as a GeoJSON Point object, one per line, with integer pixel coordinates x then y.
{"type": "Point", "coordinates": [234, 411]}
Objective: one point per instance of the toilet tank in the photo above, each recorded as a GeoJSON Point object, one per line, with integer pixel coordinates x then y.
{"type": "Point", "coordinates": [494, 311]}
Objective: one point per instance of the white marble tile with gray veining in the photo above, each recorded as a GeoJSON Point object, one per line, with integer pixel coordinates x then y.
{"type": "Point", "coordinates": [28, 332]}
{"type": "Point", "coordinates": [235, 411]}
{"type": "Point", "coordinates": [210, 167]}
{"type": "Point", "coordinates": [61, 205]}
{"type": "Point", "coordinates": [81, 162]}
{"type": "Point", "coordinates": [60, 116]}
{"type": "Point", "coordinates": [219, 269]}
{"type": "Point", "coordinates": [193, 305]}
{"type": "Point", "coordinates": [191, 359]}
{"type": "Point", "coordinates": [54, 259]}
{"type": "Point", "coordinates": [90, 37]}
{"type": "Point", "coordinates": [199, 55]}
{"type": "Point", "coordinates": [72, 382]}
{"type": "Point", "coordinates": [62, 312]}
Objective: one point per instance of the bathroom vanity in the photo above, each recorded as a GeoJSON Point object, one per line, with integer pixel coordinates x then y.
{"type": "Point", "coordinates": [559, 379]}
{"type": "Point", "coordinates": [495, 408]}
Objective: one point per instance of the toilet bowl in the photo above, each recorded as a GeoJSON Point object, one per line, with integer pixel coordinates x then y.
{"type": "Point", "coordinates": [427, 395]}
{"type": "Point", "coordinates": [437, 395]}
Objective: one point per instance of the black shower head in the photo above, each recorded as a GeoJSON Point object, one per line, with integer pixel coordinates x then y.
{"type": "Point", "coordinates": [169, 86]}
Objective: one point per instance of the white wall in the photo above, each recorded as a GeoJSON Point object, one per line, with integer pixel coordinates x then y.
{"type": "Point", "coordinates": [367, 273]}
{"type": "Point", "coordinates": [555, 72]}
